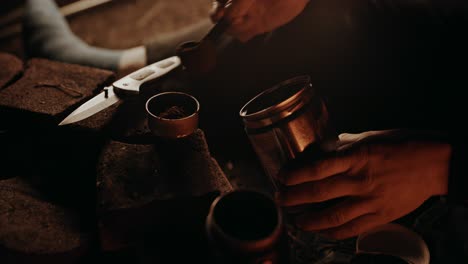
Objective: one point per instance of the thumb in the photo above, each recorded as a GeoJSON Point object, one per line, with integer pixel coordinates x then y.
{"type": "Point", "coordinates": [217, 10]}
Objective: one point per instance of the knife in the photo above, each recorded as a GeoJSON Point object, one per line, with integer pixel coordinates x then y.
{"type": "Point", "coordinates": [130, 85]}
{"type": "Point", "coordinates": [123, 88]}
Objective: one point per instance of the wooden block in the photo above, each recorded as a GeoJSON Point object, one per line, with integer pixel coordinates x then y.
{"type": "Point", "coordinates": [143, 188]}
{"type": "Point", "coordinates": [33, 230]}
{"type": "Point", "coordinates": [100, 122]}
{"type": "Point", "coordinates": [130, 174]}
{"type": "Point", "coordinates": [12, 67]}
{"type": "Point", "coordinates": [50, 90]}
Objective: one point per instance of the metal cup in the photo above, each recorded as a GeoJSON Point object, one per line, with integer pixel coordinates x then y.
{"type": "Point", "coordinates": [282, 123]}
{"type": "Point", "coordinates": [247, 227]}
{"type": "Point", "coordinates": [284, 120]}
{"type": "Point", "coordinates": [391, 241]}
{"type": "Point", "coordinates": [177, 126]}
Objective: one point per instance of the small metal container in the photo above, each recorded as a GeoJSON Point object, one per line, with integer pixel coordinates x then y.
{"type": "Point", "coordinates": [178, 125]}
{"type": "Point", "coordinates": [388, 242]}
{"type": "Point", "coordinates": [245, 226]}
{"type": "Point", "coordinates": [284, 120]}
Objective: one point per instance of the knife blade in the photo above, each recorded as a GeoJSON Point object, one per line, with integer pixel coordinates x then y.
{"type": "Point", "coordinates": [98, 103]}
{"type": "Point", "coordinates": [127, 86]}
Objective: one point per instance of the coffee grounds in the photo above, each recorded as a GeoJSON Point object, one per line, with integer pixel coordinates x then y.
{"type": "Point", "coordinates": [12, 67]}
{"type": "Point", "coordinates": [174, 112]}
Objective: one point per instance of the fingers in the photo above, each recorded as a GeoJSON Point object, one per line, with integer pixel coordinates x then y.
{"type": "Point", "coordinates": [335, 216]}
{"type": "Point", "coordinates": [243, 28]}
{"type": "Point", "coordinates": [232, 11]}
{"type": "Point", "coordinates": [238, 9]}
{"type": "Point", "coordinates": [318, 170]}
{"type": "Point", "coordinates": [355, 227]}
{"type": "Point", "coordinates": [319, 191]}
{"type": "Point", "coordinates": [237, 14]}
{"type": "Point", "coordinates": [217, 10]}
{"type": "Point", "coordinates": [347, 138]}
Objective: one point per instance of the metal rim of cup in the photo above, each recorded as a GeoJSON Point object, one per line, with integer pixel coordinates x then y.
{"type": "Point", "coordinates": [285, 107]}
{"type": "Point", "coordinates": [177, 125]}
{"type": "Point", "coordinates": [391, 230]}
{"type": "Point", "coordinates": [236, 242]}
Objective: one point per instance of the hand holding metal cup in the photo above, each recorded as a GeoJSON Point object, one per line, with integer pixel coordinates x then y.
{"type": "Point", "coordinates": [284, 124]}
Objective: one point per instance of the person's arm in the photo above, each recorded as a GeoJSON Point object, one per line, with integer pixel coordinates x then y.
{"type": "Point", "coordinates": [380, 176]}
{"type": "Point", "coordinates": [249, 18]}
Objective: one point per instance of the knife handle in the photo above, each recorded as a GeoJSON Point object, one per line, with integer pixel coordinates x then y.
{"type": "Point", "coordinates": [132, 83]}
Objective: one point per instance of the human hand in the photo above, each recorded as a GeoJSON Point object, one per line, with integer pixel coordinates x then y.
{"type": "Point", "coordinates": [381, 176]}
{"type": "Point", "coordinates": [249, 18]}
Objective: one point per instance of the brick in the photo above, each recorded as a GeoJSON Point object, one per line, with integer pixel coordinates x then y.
{"type": "Point", "coordinates": [33, 230]}
{"type": "Point", "coordinates": [12, 67]}
{"type": "Point", "coordinates": [50, 90]}
{"type": "Point", "coordinates": [145, 188]}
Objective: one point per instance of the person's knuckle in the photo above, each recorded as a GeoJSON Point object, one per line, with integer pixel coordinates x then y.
{"type": "Point", "coordinates": [316, 190]}
{"type": "Point", "coordinates": [366, 182]}
{"type": "Point", "coordinates": [336, 234]}
{"type": "Point", "coordinates": [372, 205]}
{"type": "Point", "coordinates": [352, 230]}
{"type": "Point", "coordinates": [385, 214]}
{"type": "Point", "coordinates": [336, 218]}
{"type": "Point", "coordinates": [364, 151]}
{"type": "Point", "coordinates": [319, 167]}
{"type": "Point", "coordinates": [366, 177]}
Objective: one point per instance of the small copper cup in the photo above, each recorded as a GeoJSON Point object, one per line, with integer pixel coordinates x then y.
{"type": "Point", "coordinates": [246, 226]}
{"type": "Point", "coordinates": [172, 114]}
